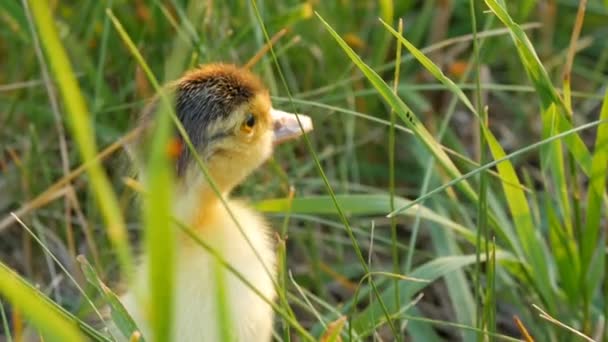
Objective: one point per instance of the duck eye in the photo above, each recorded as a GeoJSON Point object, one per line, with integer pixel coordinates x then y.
{"type": "Point", "coordinates": [250, 120]}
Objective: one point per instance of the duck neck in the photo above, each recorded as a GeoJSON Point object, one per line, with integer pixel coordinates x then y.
{"type": "Point", "coordinates": [197, 197]}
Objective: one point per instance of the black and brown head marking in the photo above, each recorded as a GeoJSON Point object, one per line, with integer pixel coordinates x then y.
{"type": "Point", "coordinates": [207, 94]}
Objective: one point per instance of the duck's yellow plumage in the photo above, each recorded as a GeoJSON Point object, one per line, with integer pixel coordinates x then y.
{"type": "Point", "coordinates": [228, 115]}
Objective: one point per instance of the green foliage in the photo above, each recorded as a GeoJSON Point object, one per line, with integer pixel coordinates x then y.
{"type": "Point", "coordinates": [119, 314]}
{"type": "Point", "coordinates": [48, 320]}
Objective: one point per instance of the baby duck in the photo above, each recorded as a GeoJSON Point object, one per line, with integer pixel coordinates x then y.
{"type": "Point", "coordinates": [227, 114]}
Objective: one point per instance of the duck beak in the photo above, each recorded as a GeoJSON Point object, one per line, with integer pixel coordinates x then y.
{"type": "Point", "coordinates": [286, 127]}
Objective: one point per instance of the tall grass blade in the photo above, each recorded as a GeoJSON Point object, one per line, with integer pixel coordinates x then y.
{"type": "Point", "coordinates": [431, 68]}
{"type": "Point", "coordinates": [159, 231]}
{"type": "Point", "coordinates": [404, 112]}
{"type": "Point", "coordinates": [51, 324]}
{"type": "Point", "coordinates": [542, 83]}
{"type": "Point", "coordinates": [120, 316]}
{"type": "Point", "coordinates": [530, 239]}
{"type": "Point", "coordinates": [595, 194]}
{"type": "Point", "coordinates": [359, 205]}
{"type": "Point", "coordinates": [565, 254]}
{"type": "Point", "coordinates": [552, 163]}
{"type": "Point", "coordinates": [81, 129]}
{"type": "Point", "coordinates": [482, 205]}
{"type": "Point", "coordinates": [391, 158]}
{"type": "Point", "coordinates": [156, 209]}
{"type": "Point", "coordinates": [224, 324]}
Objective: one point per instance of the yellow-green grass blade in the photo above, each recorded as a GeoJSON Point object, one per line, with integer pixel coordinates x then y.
{"type": "Point", "coordinates": [387, 10]}
{"type": "Point", "coordinates": [528, 57]}
{"type": "Point", "coordinates": [78, 118]}
{"type": "Point", "coordinates": [85, 328]}
{"type": "Point", "coordinates": [431, 68]}
{"type": "Point", "coordinates": [49, 321]}
{"type": "Point", "coordinates": [159, 231]}
{"type": "Point", "coordinates": [156, 210]}
{"type": "Point", "coordinates": [224, 323]}
{"type": "Point", "coordinates": [42, 243]}
{"type": "Point", "coordinates": [381, 44]}
{"type": "Point", "coordinates": [358, 205]}
{"type": "Point", "coordinates": [595, 193]}
{"type": "Point", "coordinates": [530, 239]}
{"type": "Point", "coordinates": [564, 251]}
{"type": "Point", "coordinates": [552, 162]}
{"type": "Point", "coordinates": [541, 81]}
{"type": "Point", "coordinates": [120, 316]}
{"type": "Point", "coordinates": [404, 112]}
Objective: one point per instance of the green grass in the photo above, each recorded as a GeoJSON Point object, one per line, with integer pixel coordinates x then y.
{"type": "Point", "coordinates": [469, 167]}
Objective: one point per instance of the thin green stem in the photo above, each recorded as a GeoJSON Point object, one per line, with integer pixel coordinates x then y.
{"type": "Point", "coordinates": [391, 170]}
{"type": "Point", "coordinates": [81, 129]}
{"type": "Point", "coordinates": [482, 204]}
{"type": "Point", "coordinates": [7, 331]}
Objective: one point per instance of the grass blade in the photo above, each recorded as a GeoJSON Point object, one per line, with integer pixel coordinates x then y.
{"type": "Point", "coordinates": [429, 271]}
{"type": "Point", "coordinates": [81, 129]}
{"type": "Point", "coordinates": [47, 319]}
{"type": "Point", "coordinates": [597, 188]}
{"type": "Point", "coordinates": [358, 205]}
{"type": "Point", "coordinates": [6, 329]}
{"type": "Point", "coordinates": [438, 74]}
{"type": "Point", "coordinates": [391, 161]}
{"type": "Point", "coordinates": [403, 111]}
{"type": "Point", "coordinates": [542, 83]}
{"type": "Point", "coordinates": [431, 67]}
{"type": "Point", "coordinates": [531, 242]}
{"type": "Point", "coordinates": [159, 232]}
{"type": "Point", "coordinates": [120, 316]}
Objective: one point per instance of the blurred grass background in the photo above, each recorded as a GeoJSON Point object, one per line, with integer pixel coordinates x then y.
{"type": "Point", "coordinates": [351, 139]}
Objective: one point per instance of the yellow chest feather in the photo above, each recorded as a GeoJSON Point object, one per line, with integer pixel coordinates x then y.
{"type": "Point", "coordinates": [195, 298]}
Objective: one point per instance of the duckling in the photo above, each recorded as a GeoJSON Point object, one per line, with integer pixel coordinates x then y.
{"type": "Point", "coordinates": [227, 113]}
